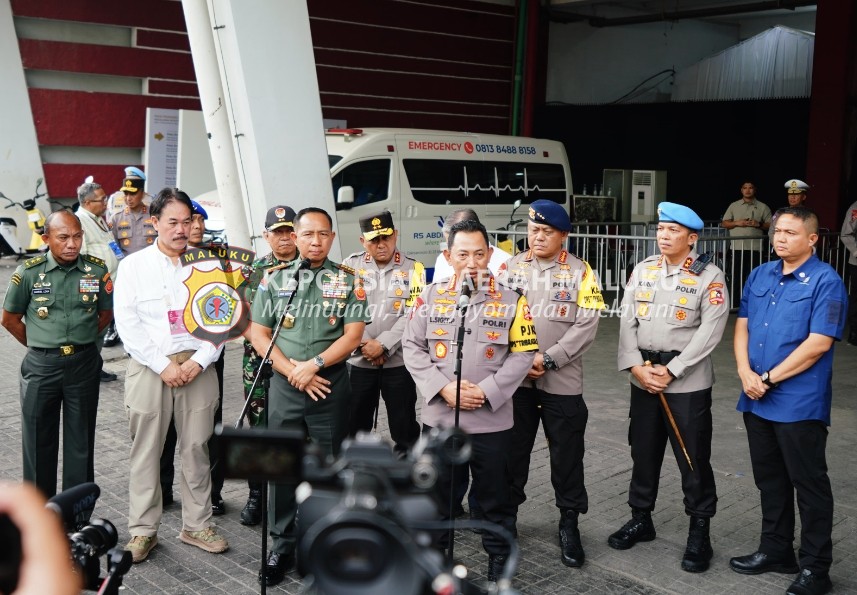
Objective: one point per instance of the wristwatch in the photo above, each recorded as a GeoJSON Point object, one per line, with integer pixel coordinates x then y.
{"type": "Point", "coordinates": [766, 378]}
{"type": "Point", "coordinates": [548, 362]}
{"type": "Point", "coordinates": [318, 361]}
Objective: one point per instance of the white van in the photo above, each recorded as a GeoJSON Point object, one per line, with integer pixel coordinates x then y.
{"type": "Point", "coordinates": [421, 175]}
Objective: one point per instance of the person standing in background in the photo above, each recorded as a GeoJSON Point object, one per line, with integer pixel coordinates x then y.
{"type": "Point", "coordinates": [848, 237]}
{"type": "Point", "coordinates": [747, 220]}
{"type": "Point", "coordinates": [130, 223]}
{"type": "Point", "coordinates": [279, 225]}
{"type": "Point", "coordinates": [795, 197]}
{"type": "Point", "coordinates": [98, 242]}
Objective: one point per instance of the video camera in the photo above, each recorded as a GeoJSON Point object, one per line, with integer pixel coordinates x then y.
{"type": "Point", "coordinates": [365, 520]}
{"type": "Point", "coordinates": [88, 541]}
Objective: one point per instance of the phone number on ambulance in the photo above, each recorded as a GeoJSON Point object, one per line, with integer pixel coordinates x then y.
{"type": "Point", "coordinates": [508, 149]}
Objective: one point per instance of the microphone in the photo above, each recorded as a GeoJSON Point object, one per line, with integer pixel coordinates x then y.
{"type": "Point", "coordinates": [70, 503]}
{"type": "Point", "coordinates": [467, 289]}
{"type": "Point", "coordinates": [293, 282]}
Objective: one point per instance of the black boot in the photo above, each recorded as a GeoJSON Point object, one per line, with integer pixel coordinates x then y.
{"type": "Point", "coordinates": [496, 563]}
{"type": "Point", "coordinates": [569, 540]}
{"type": "Point", "coordinates": [639, 528]}
{"type": "Point", "coordinates": [698, 552]}
{"type": "Point", "coordinates": [252, 513]}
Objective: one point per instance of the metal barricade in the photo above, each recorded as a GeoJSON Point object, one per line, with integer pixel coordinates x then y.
{"type": "Point", "coordinates": [613, 255]}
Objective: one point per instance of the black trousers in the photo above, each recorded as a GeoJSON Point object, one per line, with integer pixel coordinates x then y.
{"type": "Point", "coordinates": [168, 469]}
{"type": "Point", "coordinates": [564, 419]}
{"type": "Point", "coordinates": [648, 434]}
{"type": "Point", "coordinates": [852, 301]}
{"type": "Point", "coordinates": [396, 386]}
{"type": "Point", "coordinates": [789, 458]}
{"type": "Point", "coordinates": [491, 487]}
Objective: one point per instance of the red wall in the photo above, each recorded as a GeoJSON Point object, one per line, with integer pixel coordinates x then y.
{"type": "Point", "coordinates": [443, 64]}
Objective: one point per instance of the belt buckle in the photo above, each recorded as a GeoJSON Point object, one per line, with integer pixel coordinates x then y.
{"type": "Point", "coordinates": [67, 349]}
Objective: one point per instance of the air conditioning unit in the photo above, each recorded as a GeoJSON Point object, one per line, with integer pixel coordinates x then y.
{"type": "Point", "coordinates": [648, 189]}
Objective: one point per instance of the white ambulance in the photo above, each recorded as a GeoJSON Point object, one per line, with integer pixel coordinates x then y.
{"type": "Point", "coordinates": [422, 175]}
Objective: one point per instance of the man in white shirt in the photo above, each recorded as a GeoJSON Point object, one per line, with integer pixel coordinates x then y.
{"type": "Point", "coordinates": [169, 375]}
{"type": "Point", "coordinates": [442, 269]}
{"type": "Point", "coordinates": [97, 240]}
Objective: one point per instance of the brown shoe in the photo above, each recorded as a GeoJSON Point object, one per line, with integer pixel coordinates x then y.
{"type": "Point", "coordinates": [140, 546]}
{"type": "Point", "coordinates": [206, 540]}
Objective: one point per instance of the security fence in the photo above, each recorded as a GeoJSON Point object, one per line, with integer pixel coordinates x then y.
{"type": "Point", "coordinates": [613, 249]}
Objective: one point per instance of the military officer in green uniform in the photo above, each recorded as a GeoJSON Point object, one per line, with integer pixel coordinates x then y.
{"type": "Point", "coordinates": [322, 327]}
{"type": "Point", "coordinates": [65, 299]}
{"type": "Point", "coordinates": [279, 224]}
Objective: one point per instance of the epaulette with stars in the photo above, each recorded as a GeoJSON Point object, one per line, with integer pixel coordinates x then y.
{"type": "Point", "coordinates": [28, 264]}
{"type": "Point", "coordinates": [94, 260]}
{"type": "Point", "coordinates": [346, 268]}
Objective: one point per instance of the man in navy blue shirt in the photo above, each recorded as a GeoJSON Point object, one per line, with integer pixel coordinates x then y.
{"type": "Point", "coordinates": [792, 311]}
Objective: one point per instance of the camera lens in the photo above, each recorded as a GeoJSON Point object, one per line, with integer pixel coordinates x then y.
{"type": "Point", "coordinates": [95, 539]}
{"type": "Point", "coordinates": [356, 554]}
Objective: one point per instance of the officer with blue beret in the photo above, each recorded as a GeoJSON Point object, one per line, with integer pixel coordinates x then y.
{"type": "Point", "coordinates": [673, 315]}
{"type": "Point", "coordinates": [673, 212]}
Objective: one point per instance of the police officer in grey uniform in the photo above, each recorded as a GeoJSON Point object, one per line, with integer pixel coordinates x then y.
{"type": "Point", "coordinates": [310, 384]}
{"type": "Point", "coordinates": [565, 300]}
{"type": "Point", "coordinates": [497, 354]}
{"type": "Point", "coordinates": [392, 281]}
{"type": "Point", "coordinates": [132, 226]}
{"type": "Point", "coordinates": [66, 299]}
{"type": "Point", "coordinates": [673, 315]}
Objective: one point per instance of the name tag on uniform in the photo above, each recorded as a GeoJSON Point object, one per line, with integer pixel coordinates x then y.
{"type": "Point", "coordinates": [88, 286]}
{"type": "Point", "coordinates": [41, 290]}
{"type": "Point", "coordinates": [176, 320]}
{"type": "Point", "coordinates": [284, 293]}
{"type": "Point", "coordinates": [116, 250]}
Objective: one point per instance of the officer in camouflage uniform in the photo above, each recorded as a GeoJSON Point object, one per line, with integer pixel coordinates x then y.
{"type": "Point", "coordinates": [392, 281]}
{"type": "Point", "coordinates": [497, 354]}
{"type": "Point", "coordinates": [279, 224]}
{"type": "Point", "coordinates": [66, 299]}
{"type": "Point", "coordinates": [565, 301]}
{"type": "Point", "coordinates": [673, 315]}
{"type": "Point", "coordinates": [323, 326]}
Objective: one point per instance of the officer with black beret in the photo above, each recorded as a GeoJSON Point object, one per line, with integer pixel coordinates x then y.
{"type": "Point", "coordinates": [565, 301]}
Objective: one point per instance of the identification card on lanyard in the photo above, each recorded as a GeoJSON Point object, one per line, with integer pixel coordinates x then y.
{"type": "Point", "coordinates": [176, 320]}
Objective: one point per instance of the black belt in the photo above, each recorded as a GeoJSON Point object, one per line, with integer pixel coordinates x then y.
{"type": "Point", "coordinates": [63, 349]}
{"type": "Point", "coordinates": [659, 357]}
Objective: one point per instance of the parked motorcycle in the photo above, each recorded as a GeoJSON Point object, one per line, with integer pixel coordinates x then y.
{"type": "Point", "coordinates": [9, 242]}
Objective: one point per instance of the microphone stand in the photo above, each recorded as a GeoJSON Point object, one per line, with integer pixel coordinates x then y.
{"type": "Point", "coordinates": [293, 285]}
{"type": "Point", "coordinates": [463, 304]}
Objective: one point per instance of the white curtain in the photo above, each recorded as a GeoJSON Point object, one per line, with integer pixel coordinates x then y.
{"type": "Point", "coordinates": [776, 63]}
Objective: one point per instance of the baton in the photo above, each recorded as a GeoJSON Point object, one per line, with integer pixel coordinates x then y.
{"type": "Point", "coordinates": [669, 413]}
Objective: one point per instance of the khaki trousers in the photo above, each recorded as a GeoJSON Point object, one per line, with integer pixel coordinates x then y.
{"type": "Point", "coordinates": [150, 404]}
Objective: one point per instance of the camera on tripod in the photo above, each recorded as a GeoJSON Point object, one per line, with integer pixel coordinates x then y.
{"type": "Point", "coordinates": [365, 520]}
